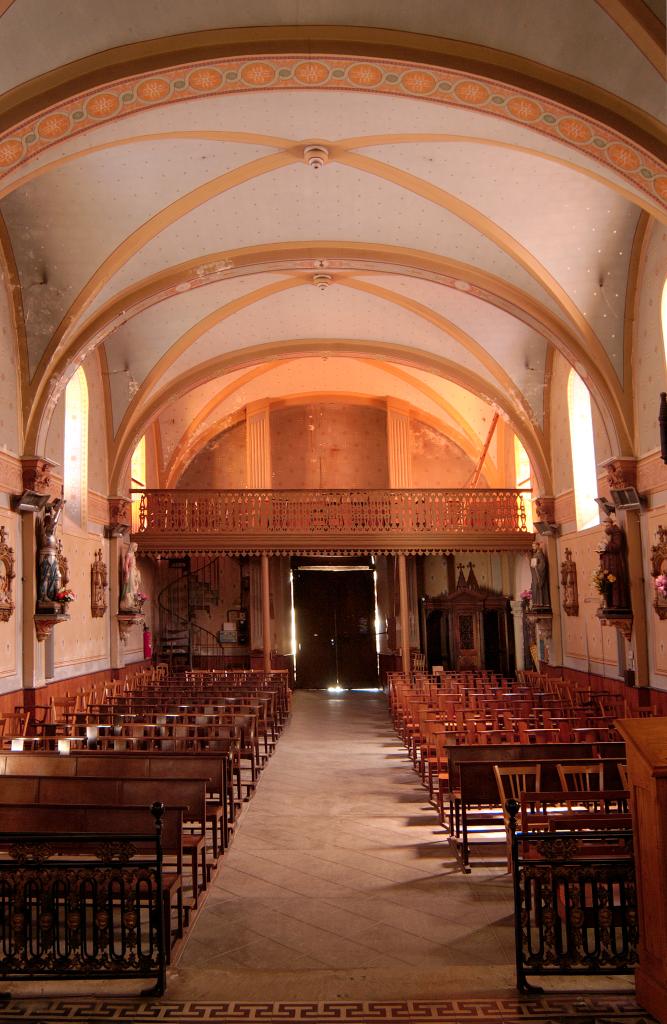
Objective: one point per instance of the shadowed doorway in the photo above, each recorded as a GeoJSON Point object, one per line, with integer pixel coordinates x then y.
{"type": "Point", "coordinates": [334, 610]}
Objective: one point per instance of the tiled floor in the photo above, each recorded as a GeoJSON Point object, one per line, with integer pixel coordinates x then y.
{"type": "Point", "coordinates": [340, 900]}
{"type": "Point", "coordinates": [339, 866]}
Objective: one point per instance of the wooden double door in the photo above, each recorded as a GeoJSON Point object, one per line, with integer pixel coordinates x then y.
{"type": "Point", "coordinates": [335, 627]}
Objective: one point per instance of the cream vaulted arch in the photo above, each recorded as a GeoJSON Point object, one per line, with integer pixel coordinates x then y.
{"type": "Point", "coordinates": [332, 354]}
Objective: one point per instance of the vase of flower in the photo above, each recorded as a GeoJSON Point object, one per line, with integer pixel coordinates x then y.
{"type": "Point", "coordinates": [603, 581]}
{"type": "Point", "coordinates": [64, 598]}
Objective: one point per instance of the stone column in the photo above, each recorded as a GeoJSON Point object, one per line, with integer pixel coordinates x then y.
{"type": "Point", "coordinates": [120, 511]}
{"type": "Point", "coordinates": [398, 444]}
{"type": "Point", "coordinates": [517, 621]}
{"type": "Point", "coordinates": [116, 659]}
{"type": "Point", "coordinates": [404, 612]}
{"type": "Point", "coordinates": [32, 660]}
{"type": "Point", "coordinates": [258, 476]}
{"type": "Point", "coordinates": [266, 613]}
{"type": "Point", "coordinates": [554, 642]}
{"type": "Point", "coordinates": [256, 610]}
{"type": "Point", "coordinates": [621, 476]}
{"type": "Point", "coordinates": [637, 597]}
{"type": "Point", "coordinates": [38, 487]}
{"type": "Point", "coordinates": [258, 446]}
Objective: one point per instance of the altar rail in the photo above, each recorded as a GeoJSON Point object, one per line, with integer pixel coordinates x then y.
{"type": "Point", "coordinates": [361, 520]}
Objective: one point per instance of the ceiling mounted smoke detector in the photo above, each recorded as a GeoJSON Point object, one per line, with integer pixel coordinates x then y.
{"type": "Point", "coordinates": [322, 281]}
{"type": "Point", "coordinates": [316, 156]}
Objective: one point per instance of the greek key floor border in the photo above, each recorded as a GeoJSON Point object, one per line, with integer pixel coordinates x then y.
{"type": "Point", "coordinates": [607, 1009]}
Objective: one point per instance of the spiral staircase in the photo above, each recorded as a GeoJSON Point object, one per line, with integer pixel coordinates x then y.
{"type": "Point", "coordinates": [182, 641]}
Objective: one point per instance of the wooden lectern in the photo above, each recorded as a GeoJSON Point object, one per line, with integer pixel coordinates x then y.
{"type": "Point", "coordinates": [646, 742]}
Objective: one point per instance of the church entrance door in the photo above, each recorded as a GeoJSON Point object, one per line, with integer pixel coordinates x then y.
{"type": "Point", "coordinates": [335, 627]}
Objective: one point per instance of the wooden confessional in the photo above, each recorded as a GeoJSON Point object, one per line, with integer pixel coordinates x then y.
{"type": "Point", "coordinates": [469, 628]}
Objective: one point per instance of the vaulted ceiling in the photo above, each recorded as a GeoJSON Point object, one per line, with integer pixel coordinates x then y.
{"type": "Point", "coordinates": [474, 202]}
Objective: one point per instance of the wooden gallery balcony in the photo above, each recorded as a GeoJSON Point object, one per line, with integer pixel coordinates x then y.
{"type": "Point", "coordinates": [314, 522]}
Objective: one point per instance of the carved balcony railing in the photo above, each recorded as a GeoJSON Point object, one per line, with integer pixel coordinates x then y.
{"type": "Point", "coordinates": [252, 521]}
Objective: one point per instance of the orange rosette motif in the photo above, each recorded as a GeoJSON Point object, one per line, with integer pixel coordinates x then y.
{"type": "Point", "coordinates": [53, 126]}
{"type": "Point", "coordinates": [575, 130]}
{"type": "Point", "coordinates": [103, 105]}
{"type": "Point", "coordinates": [418, 82]}
{"type": "Point", "coordinates": [205, 79]}
{"type": "Point", "coordinates": [153, 89]}
{"type": "Point", "coordinates": [623, 157]}
{"type": "Point", "coordinates": [10, 152]}
{"type": "Point", "coordinates": [524, 109]}
{"type": "Point", "coordinates": [311, 73]}
{"type": "Point", "coordinates": [257, 73]}
{"type": "Point", "coordinates": [471, 92]}
{"type": "Point", "coordinates": [364, 74]}
{"type": "Point", "coordinates": [660, 186]}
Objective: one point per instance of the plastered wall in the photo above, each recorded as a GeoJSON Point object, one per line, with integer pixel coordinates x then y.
{"type": "Point", "coordinates": [648, 362]}
{"type": "Point", "coordinates": [329, 445]}
{"type": "Point", "coordinates": [10, 447]}
{"type": "Point", "coordinates": [220, 464]}
{"type": "Point", "coordinates": [82, 644]}
{"type": "Point", "coordinates": [588, 645]}
{"type": "Point", "coordinates": [10, 632]}
{"type": "Point", "coordinates": [10, 436]}
{"type": "Point", "coordinates": [437, 461]}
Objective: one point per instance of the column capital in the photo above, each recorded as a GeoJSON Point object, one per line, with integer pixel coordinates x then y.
{"type": "Point", "coordinates": [262, 405]}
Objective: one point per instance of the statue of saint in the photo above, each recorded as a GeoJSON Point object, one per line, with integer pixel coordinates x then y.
{"type": "Point", "coordinates": [131, 581]}
{"type": "Point", "coordinates": [539, 578]}
{"type": "Point", "coordinates": [98, 584]}
{"type": "Point", "coordinates": [568, 578]}
{"type": "Point", "coordinates": [50, 579]}
{"type": "Point", "coordinates": [613, 560]}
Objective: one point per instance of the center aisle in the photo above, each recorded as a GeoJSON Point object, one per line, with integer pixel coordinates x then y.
{"type": "Point", "coordinates": [340, 884]}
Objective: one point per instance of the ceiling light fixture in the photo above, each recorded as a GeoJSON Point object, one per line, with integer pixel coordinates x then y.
{"type": "Point", "coordinates": [316, 156]}
{"type": "Point", "coordinates": [322, 281]}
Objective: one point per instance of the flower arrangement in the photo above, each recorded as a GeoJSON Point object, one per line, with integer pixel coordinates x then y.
{"type": "Point", "coordinates": [660, 584]}
{"type": "Point", "coordinates": [526, 595]}
{"type": "Point", "coordinates": [65, 595]}
{"type": "Point", "coordinates": [602, 580]}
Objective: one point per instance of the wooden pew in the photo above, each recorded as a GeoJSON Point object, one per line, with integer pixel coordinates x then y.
{"type": "Point", "coordinates": [212, 768]}
{"type": "Point", "coordinates": [80, 791]}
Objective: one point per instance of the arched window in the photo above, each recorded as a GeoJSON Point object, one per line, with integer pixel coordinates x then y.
{"type": "Point", "coordinates": [582, 444]}
{"type": "Point", "coordinates": [76, 448]}
{"type": "Point", "coordinates": [523, 477]}
{"type": "Point", "coordinates": [137, 479]}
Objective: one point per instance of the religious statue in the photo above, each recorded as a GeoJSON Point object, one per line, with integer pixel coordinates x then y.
{"type": "Point", "coordinates": [613, 570]}
{"type": "Point", "coordinates": [568, 578]}
{"type": "Point", "coordinates": [130, 591]}
{"type": "Point", "coordinates": [50, 578]}
{"type": "Point", "coordinates": [98, 585]}
{"type": "Point", "coordinates": [539, 577]}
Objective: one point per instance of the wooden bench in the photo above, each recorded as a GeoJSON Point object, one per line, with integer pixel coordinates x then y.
{"type": "Point", "coordinates": [189, 794]}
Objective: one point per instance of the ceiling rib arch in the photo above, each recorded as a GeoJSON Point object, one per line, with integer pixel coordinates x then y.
{"type": "Point", "coordinates": [306, 256]}
{"type": "Point", "coordinates": [519, 77]}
